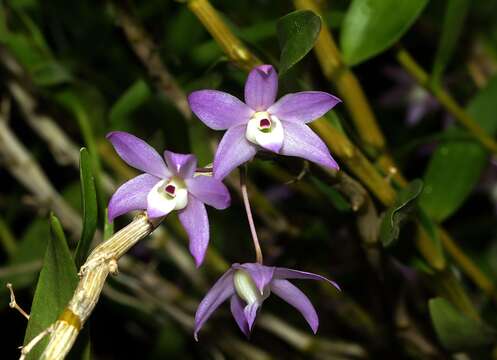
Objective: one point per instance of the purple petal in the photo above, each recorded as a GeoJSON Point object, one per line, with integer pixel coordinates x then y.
{"type": "Point", "coordinates": [183, 165]}
{"type": "Point", "coordinates": [236, 305]}
{"type": "Point", "coordinates": [219, 110]}
{"type": "Point", "coordinates": [262, 275]}
{"type": "Point", "coordinates": [304, 106]}
{"type": "Point", "coordinates": [138, 154]}
{"type": "Point", "coordinates": [221, 291]}
{"type": "Point", "coordinates": [250, 312]}
{"type": "Point", "coordinates": [285, 273]}
{"type": "Point", "coordinates": [292, 295]}
{"type": "Point", "coordinates": [233, 150]}
{"type": "Point", "coordinates": [196, 223]}
{"type": "Point", "coordinates": [210, 191]}
{"type": "Point", "coordinates": [261, 87]}
{"type": "Point", "coordinates": [132, 195]}
{"type": "Point", "coordinates": [415, 112]}
{"type": "Point", "coordinates": [302, 142]}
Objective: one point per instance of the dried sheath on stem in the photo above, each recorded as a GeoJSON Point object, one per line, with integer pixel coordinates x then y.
{"type": "Point", "coordinates": [101, 262]}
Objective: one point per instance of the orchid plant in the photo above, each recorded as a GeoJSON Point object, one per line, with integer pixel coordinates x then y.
{"type": "Point", "coordinates": [173, 182]}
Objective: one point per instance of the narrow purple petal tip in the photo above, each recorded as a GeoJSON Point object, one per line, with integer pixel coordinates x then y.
{"type": "Point", "coordinates": [295, 297]}
{"type": "Point", "coordinates": [304, 107]}
{"type": "Point", "coordinates": [285, 273]}
{"type": "Point", "coordinates": [265, 69]}
{"type": "Point", "coordinates": [218, 110]}
{"type": "Point", "coordinates": [138, 154]}
{"type": "Point", "coordinates": [221, 291]}
{"type": "Point", "coordinates": [250, 312]}
{"type": "Point", "coordinates": [196, 223]}
{"type": "Point", "coordinates": [261, 87]}
{"type": "Point", "coordinates": [302, 142]}
{"type": "Point", "coordinates": [237, 305]}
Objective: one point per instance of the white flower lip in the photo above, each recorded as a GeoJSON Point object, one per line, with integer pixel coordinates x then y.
{"type": "Point", "coordinates": [169, 194]}
{"type": "Point", "coordinates": [265, 130]}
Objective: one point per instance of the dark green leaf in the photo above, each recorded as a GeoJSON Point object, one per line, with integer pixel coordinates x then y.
{"type": "Point", "coordinates": [57, 281]}
{"type": "Point", "coordinates": [455, 166]}
{"type": "Point", "coordinates": [50, 73]}
{"type": "Point", "coordinates": [90, 208]}
{"type": "Point", "coordinates": [455, 15]}
{"type": "Point", "coordinates": [26, 263]}
{"type": "Point", "coordinates": [76, 101]}
{"type": "Point", "coordinates": [395, 215]}
{"type": "Point", "coordinates": [297, 33]}
{"type": "Point", "coordinates": [457, 331]}
{"type": "Point", "coordinates": [338, 201]}
{"type": "Point", "coordinates": [137, 94]}
{"type": "Point", "coordinates": [372, 26]}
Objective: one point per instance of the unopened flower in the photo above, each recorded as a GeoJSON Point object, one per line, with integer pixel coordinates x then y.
{"type": "Point", "coordinates": [248, 285]}
{"type": "Point", "coordinates": [166, 186]}
{"type": "Point", "coordinates": [261, 122]}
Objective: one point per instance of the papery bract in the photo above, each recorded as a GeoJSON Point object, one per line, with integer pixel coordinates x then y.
{"type": "Point", "coordinates": [168, 184]}
{"type": "Point", "coordinates": [262, 123]}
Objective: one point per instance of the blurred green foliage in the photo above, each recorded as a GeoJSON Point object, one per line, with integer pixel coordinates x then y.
{"type": "Point", "coordinates": [78, 68]}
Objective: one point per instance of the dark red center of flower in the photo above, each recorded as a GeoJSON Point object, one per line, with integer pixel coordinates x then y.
{"type": "Point", "coordinates": [264, 123]}
{"type": "Point", "coordinates": [170, 189]}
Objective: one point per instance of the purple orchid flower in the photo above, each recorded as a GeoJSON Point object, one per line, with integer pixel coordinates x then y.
{"type": "Point", "coordinates": [261, 122]}
{"type": "Point", "coordinates": [407, 92]}
{"type": "Point", "coordinates": [248, 285]}
{"type": "Point", "coordinates": [166, 186]}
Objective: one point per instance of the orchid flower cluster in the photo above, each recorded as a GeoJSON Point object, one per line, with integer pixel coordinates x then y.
{"type": "Point", "coordinates": [173, 182]}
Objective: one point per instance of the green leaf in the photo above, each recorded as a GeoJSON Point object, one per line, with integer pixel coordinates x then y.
{"type": "Point", "coordinates": [338, 201]}
{"type": "Point", "coordinates": [297, 33]}
{"type": "Point", "coordinates": [23, 268]}
{"type": "Point", "coordinates": [108, 226]}
{"type": "Point", "coordinates": [372, 26]}
{"type": "Point", "coordinates": [456, 331]}
{"type": "Point", "coordinates": [135, 96]}
{"type": "Point", "coordinates": [79, 103]}
{"type": "Point", "coordinates": [456, 165]}
{"type": "Point", "coordinates": [57, 281]}
{"type": "Point", "coordinates": [90, 208]}
{"type": "Point", "coordinates": [50, 73]}
{"type": "Point", "coordinates": [455, 15]}
{"type": "Point", "coordinates": [398, 213]}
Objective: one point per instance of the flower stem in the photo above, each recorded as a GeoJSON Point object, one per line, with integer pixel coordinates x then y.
{"type": "Point", "coordinates": [246, 203]}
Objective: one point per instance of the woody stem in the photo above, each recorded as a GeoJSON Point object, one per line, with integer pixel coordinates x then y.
{"type": "Point", "coordinates": [246, 203]}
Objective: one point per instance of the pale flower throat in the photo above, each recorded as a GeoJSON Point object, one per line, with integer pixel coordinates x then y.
{"type": "Point", "coordinates": [170, 194]}
{"type": "Point", "coordinates": [265, 130]}
{"type": "Point", "coordinates": [247, 290]}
